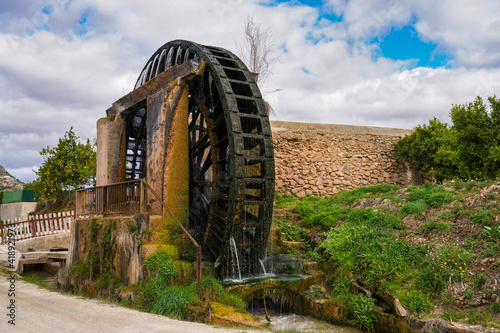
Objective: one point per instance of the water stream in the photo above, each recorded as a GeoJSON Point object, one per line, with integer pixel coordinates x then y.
{"type": "Point", "coordinates": [287, 321]}
{"type": "Point", "coordinates": [234, 254]}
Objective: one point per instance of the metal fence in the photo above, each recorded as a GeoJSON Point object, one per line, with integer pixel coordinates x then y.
{"type": "Point", "coordinates": [119, 198]}
{"type": "Point", "coordinates": [35, 226]}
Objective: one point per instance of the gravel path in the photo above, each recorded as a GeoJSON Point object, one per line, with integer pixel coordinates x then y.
{"type": "Point", "coordinates": [39, 310]}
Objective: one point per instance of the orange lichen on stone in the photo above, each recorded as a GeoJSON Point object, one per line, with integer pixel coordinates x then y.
{"type": "Point", "coordinates": [227, 316]}
{"type": "Point", "coordinates": [176, 188]}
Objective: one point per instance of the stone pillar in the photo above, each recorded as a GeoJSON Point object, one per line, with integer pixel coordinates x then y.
{"type": "Point", "coordinates": [176, 185]}
{"type": "Point", "coordinates": [110, 162]}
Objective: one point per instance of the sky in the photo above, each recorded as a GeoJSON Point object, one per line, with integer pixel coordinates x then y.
{"type": "Point", "coordinates": [355, 62]}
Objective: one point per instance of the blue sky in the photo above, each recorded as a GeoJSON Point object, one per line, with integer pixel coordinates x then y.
{"type": "Point", "coordinates": [357, 62]}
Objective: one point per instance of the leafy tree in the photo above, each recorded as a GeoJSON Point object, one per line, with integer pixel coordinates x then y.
{"type": "Point", "coordinates": [477, 132]}
{"type": "Point", "coordinates": [469, 149]}
{"type": "Point", "coordinates": [68, 166]}
{"type": "Point", "coordinates": [427, 149]}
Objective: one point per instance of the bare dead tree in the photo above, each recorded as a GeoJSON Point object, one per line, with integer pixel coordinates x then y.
{"type": "Point", "coordinates": [258, 50]}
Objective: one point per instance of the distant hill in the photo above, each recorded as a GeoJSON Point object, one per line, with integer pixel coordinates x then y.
{"type": "Point", "coordinates": [8, 182]}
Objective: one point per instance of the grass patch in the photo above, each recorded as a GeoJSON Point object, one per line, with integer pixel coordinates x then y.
{"type": "Point", "coordinates": [434, 226]}
{"type": "Point", "coordinates": [482, 216]}
{"type": "Point", "coordinates": [415, 208]}
{"type": "Point", "coordinates": [292, 233]}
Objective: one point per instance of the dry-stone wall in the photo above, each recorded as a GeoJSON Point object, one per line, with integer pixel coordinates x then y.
{"type": "Point", "coordinates": [321, 159]}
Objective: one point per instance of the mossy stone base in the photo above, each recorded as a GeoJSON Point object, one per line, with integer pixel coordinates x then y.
{"type": "Point", "coordinates": [149, 249]}
{"type": "Point", "coordinates": [227, 316]}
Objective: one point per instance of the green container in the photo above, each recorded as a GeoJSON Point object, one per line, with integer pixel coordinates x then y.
{"type": "Point", "coordinates": [19, 196]}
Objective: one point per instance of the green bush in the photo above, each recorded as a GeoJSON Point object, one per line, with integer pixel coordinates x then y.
{"type": "Point", "coordinates": [492, 232]}
{"type": "Point", "coordinates": [468, 293]}
{"type": "Point", "coordinates": [482, 216]}
{"type": "Point", "coordinates": [293, 233]}
{"type": "Point", "coordinates": [481, 280]}
{"type": "Point", "coordinates": [496, 307]}
{"type": "Point", "coordinates": [210, 289]}
{"type": "Point", "coordinates": [304, 210]}
{"type": "Point", "coordinates": [416, 301]}
{"type": "Point", "coordinates": [173, 301]}
{"type": "Point", "coordinates": [431, 276]}
{"type": "Point", "coordinates": [159, 271]}
{"type": "Point", "coordinates": [361, 309]}
{"type": "Point", "coordinates": [160, 265]}
{"type": "Point", "coordinates": [415, 208]}
{"type": "Point", "coordinates": [469, 149]}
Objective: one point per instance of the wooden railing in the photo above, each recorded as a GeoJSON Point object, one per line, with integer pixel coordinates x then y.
{"type": "Point", "coordinates": [119, 198]}
{"type": "Point", "coordinates": [35, 226]}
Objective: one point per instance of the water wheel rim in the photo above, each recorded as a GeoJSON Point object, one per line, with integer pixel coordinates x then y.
{"type": "Point", "coordinates": [242, 188]}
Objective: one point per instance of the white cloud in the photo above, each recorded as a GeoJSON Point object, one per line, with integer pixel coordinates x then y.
{"type": "Point", "coordinates": [57, 71]}
{"type": "Point", "coordinates": [469, 30]}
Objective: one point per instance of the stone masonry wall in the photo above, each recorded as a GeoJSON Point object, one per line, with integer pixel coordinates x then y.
{"type": "Point", "coordinates": [321, 159]}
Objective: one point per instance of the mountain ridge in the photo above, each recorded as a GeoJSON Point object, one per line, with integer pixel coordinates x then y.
{"type": "Point", "coordinates": [8, 182]}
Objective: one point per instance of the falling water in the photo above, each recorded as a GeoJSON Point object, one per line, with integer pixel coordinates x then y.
{"type": "Point", "coordinates": [234, 254]}
{"type": "Point", "coordinates": [263, 268]}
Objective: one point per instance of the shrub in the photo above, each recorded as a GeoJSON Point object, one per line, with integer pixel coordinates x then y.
{"type": "Point", "coordinates": [159, 271]}
{"type": "Point", "coordinates": [496, 307]}
{"type": "Point", "coordinates": [210, 289]}
{"type": "Point", "coordinates": [416, 208]}
{"type": "Point", "coordinates": [468, 293]}
{"type": "Point", "coordinates": [293, 233]}
{"type": "Point", "coordinates": [361, 308]}
{"type": "Point", "coordinates": [431, 275]}
{"type": "Point", "coordinates": [173, 301]}
{"type": "Point", "coordinates": [416, 301]}
{"type": "Point", "coordinates": [481, 216]}
{"type": "Point", "coordinates": [160, 265]}
{"type": "Point", "coordinates": [481, 280]}
{"type": "Point", "coordinates": [492, 232]}
{"type": "Point", "coordinates": [304, 210]}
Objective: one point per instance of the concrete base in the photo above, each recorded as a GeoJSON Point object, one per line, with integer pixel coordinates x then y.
{"type": "Point", "coordinates": [45, 243]}
{"type": "Point", "coordinates": [16, 210]}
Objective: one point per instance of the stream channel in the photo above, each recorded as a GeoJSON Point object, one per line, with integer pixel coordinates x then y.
{"type": "Point", "coordinates": [290, 321]}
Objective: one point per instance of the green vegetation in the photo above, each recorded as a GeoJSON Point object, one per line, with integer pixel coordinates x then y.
{"type": "Point", "coordinates": [469, 149]}
{"type": "Point", "coordinates": [292, 233]}
{"type": "Point", "coordinates": [158, 295]}
{"type": "Point", "coordinates": [376, 247]}
{"type": "Point", "coordinates": [68, 166]}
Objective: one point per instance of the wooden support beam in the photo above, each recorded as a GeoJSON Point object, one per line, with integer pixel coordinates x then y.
{"type": "Point", "coordinates": [186, 71]}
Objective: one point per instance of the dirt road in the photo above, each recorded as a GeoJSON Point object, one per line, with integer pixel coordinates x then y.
{"type": "Point", "coordinates": [39, 310]}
